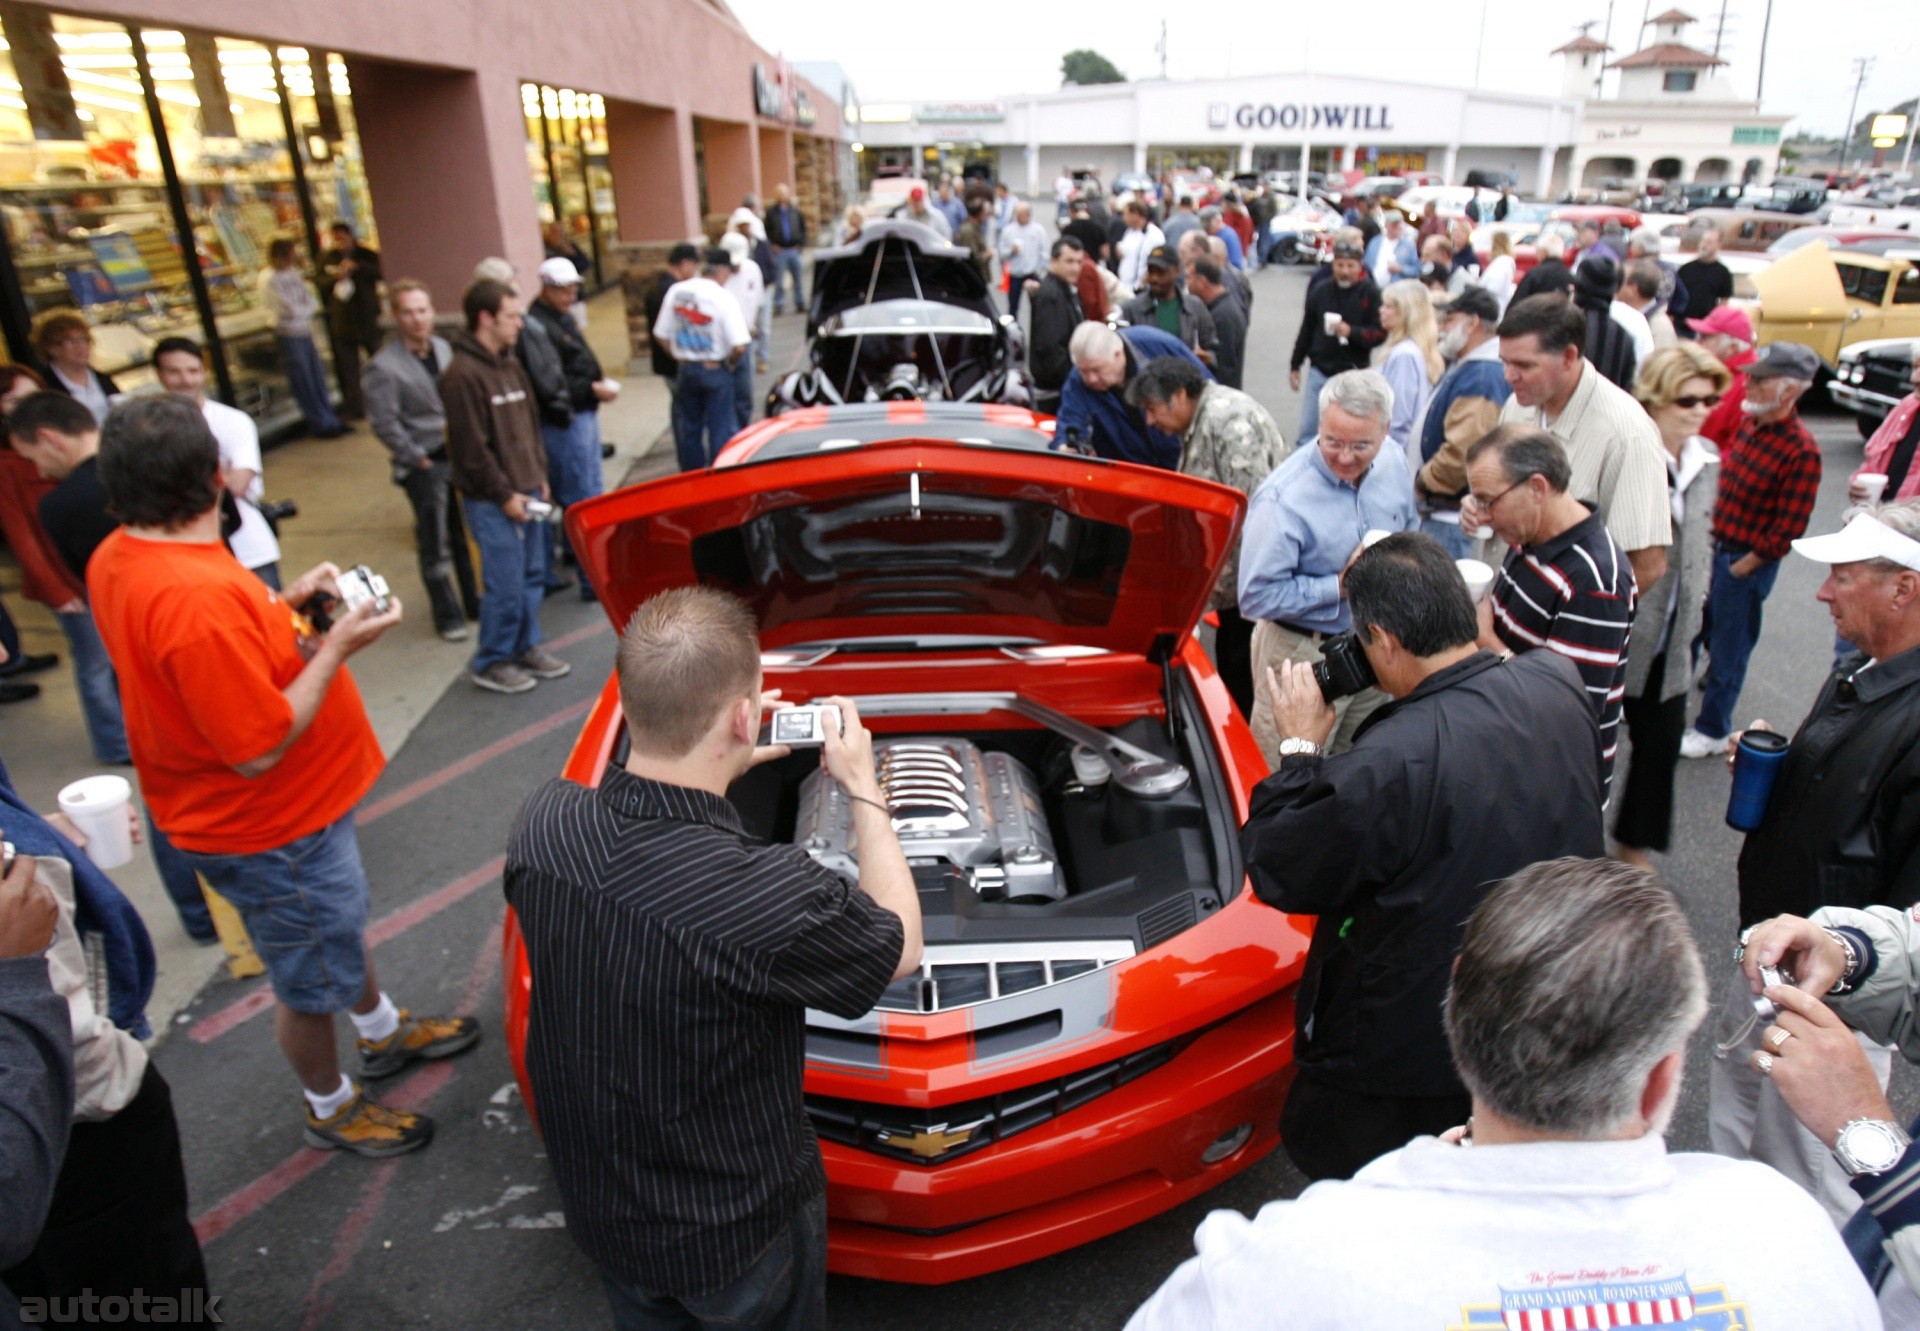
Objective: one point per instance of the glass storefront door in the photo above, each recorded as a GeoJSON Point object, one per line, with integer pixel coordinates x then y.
{"type": "Point", "coordinates": [572, 179]}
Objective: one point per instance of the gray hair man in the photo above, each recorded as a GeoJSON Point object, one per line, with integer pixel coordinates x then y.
{"type": "Point", "coordinates": [1465, 404]}
{"type": "Point", "coordinates": [1225, 436]}
{"type": "Point", "coordinates": [1574, 1068]}
{"type": "Point", "coordinates": [1305, 525]}
{"type": "Point", "coordinates": [1840, 827]}
{"type": "Point", "coordinates": [1094, 411]}
{"type": "Point", "coordinates": [1641, 290]}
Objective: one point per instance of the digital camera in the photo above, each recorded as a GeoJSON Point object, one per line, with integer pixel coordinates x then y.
{"type": "Point", "coordinates": [539, 510]}
{"type": "Point", "coordinates": [1770, 976]}
{"type": "Point", "coordinates": [360, 586]}
{"type": "Point", "coordinates": [1343, 669]}
{"type": "Point", "coordinates": [803, 727]}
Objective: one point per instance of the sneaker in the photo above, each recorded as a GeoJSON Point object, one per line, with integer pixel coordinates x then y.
{"type": "Point", "coordinates": [503, 677]}
{"type": "Point", "coordinates": [1693, 744]}
{"type": "Point", "coordinates": [542, 664]}
{"type": "Point", "coordinates": [453, 632]}
{"type": "Point", "coordinates": [417, 1038]}
{"type": "Point", "coordinates": [368, 1129]}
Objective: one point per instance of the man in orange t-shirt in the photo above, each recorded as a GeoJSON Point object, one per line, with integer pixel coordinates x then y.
{"type": "Point", "coordinates": [253, 748]}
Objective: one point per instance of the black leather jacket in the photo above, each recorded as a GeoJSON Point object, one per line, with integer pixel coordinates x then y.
{"type": "Point", "coordinates": [1482, 770]}
{"type": "Point", "coordinates": [541, 360]}
{"type": "Point", "coordinates": [1843, 824]}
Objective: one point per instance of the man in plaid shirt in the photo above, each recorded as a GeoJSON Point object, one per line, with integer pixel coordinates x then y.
{"type": "Point", "coordinates": [1769, 478]}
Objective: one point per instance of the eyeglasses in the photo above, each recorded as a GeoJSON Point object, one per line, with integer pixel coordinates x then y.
{"type": "Point", "coordinates": [1689, 402]}
{"type": "Point", "coordinates": [1348, 448]}
{"type": "Point", "coordinates": [1486, 505]}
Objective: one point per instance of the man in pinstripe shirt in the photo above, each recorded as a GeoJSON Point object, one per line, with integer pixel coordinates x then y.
{"type": "Point", "coordinates": [673, 956]}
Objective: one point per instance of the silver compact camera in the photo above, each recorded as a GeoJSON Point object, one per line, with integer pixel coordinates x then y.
{"type": "Point", "coordinates": [539, 510]}
{"type": "Point", "coordinates": [803, 727]}
{"type": "Point", "coordinates": [360, 586]}
{"type": "Point", "coordinates": [1770, 976]}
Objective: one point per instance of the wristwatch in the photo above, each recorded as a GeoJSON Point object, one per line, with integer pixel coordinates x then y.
{"type": "Point", "coordinates": [1870, 1146]}
{"type": "Point", "coordinates": [1293, 746]}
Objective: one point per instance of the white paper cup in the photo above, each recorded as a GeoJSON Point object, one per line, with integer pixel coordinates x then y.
{"type": "Point", "coordinates": [97, 805]}
{"type": "Point", "coordinates": [1478, 577]}
{"type": "Point", "coordinates": [1872, 485]}
{"type": "Point", "coordinates": [1332, 322]}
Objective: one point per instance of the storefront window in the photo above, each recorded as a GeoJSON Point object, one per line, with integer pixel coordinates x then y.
{"type": "Point", "coordinates": [321, 101]}
{"type": "Point", "coordinates": [572, 181]}
{"type": "Point", "coordinates": [81, 189]}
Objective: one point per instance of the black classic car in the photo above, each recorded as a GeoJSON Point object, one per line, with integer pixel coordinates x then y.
{"type": "Point", "coordinates": [1870, 378]}
{"type": "Point", "coordinates": [900, 315]}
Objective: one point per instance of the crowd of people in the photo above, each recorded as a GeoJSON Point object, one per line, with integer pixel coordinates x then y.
{"type": "Point", "coordinates": [1492, 964]}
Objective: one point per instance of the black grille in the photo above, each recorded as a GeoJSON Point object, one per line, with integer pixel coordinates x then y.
{"type": "Point", "coordinates": [1172, 916]}
{"type": "Point", "coordinates": [896, 1130]}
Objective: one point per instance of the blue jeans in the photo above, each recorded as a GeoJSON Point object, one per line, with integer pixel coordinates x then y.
{"type": "Point", "coordinates": [1310, 404]}
{"type": "Point", "coordinates": [573, 470]}
{"type": "Point", "coordinates": [182, 882]}
{"type": "Point", "coordinates": [784, 1290]}
{"type": "Point", "coordinates": [305, 907]}
{"type": "Point", "coordinates": [1731, 630]}
{"type": "Point", "coordinates": [307, 377]}
{"type": "Point", "coordinates": [786, 264]}
{"type": "Point", "coordinates": [704, 412]}
{"type": "Point", "coordinates": [99, 690]}
{"type": "Point", "coordinates": [1451, 535]}
{"type": "Point", "coordinates": [513, 578]}
{"type": "Point", "coordinates": [743, 387]}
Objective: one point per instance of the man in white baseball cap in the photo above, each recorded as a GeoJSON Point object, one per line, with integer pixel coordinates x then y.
{"type": "Point", "coordinates": [1841, 827]}
{"type": "Point", "coordinates": [573, 449]}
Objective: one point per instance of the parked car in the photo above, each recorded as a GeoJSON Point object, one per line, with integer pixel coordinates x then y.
{"type": "Point", "coordinates": [1294, 233]}
{"type": "Point", "coordinates": [901, 315]}
{"type": "Point", "coordinates": [1790, 194]}
{"type": "Point", "coordinates": [1689, 198]}
{"type": "Point", "coordinates": [1838, 238]}
{"type": "Point", "coordinates": [1385, 188]}
{"type": "Point", "coordinates": [1871, 377]}
{"type": "Point", "coordinates": [1138, 184]}
{"type": "Point", "coordinates": [1829, 300]}
{"type": "Point", "coordinates": [1562, 220]}
{"type": "Point", "coordinates": [1448, 200]}
{"type": "Point", "coordinates": [1200, 186]}
{"type": "Point", "coordinates": [1901, 215]}
{"type": "Point", "coordinates": [1749, 229]}
{"type": "Point", "coordinates": [1611, 191]}
{"type": "Point", "coordinates": [1102, 1027]}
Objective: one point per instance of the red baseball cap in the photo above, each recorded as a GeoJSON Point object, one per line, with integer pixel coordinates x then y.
{"type": "Point", "coordinates": [1726, 319]}
{"type": "Point", "coordinates": [916, 194]}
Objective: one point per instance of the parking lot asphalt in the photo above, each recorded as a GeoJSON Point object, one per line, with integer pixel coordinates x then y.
{"type": "Point", "coordinates": [470, 1232]}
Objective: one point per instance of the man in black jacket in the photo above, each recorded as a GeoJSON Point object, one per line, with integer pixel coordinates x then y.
{"type": "Point", "coordinates": [1055, 313]}
{"type": "Point", "coordinates": [352, 290]}
{"type": "Point", "coordinates": [1208, 281]}
{"type": "Point", "coordinates": [1842, 826]}
{"type": "Point", "coordinates": [1338, 332]}
{"type": "Point", "coordinates": [573, 450]}
{"type": "Point", "coordinates": [1476, 769]}
{"type": "Point", "coordinates": [1550, 276]}
{"type": "Point", "coordinates": [786, 237]}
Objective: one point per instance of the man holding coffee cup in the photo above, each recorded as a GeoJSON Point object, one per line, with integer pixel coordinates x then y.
{"type": "Point", "coordinates": [1887, 471]}
{"type": "Point", "coordinates": [253, 749]}
{"type": "Point", "coordinates": [1841, 827]}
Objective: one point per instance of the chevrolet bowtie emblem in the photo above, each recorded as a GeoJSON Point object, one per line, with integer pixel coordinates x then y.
{"type": "Point", "coordinates": [929, 1143]}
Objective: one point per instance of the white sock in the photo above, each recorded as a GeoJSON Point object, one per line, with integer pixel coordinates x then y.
{"type": "Point", "coordinates": [326, 1106]}
{"type": "Point", "coordinates": [378, 1024]}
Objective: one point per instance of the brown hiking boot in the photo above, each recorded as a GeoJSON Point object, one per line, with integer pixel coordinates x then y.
{"type": "Point", "coordinates": [417, 1038]}
{"type": "Point", "coordinates": [368, 1129]}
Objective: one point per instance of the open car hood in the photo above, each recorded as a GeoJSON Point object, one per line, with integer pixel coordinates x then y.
{"type": "Point", "coordinates": [1804, 287]}
{"type": "Point", "coordinates": [912, 539]}
{"type": "Point", "coordinates": [896, 260]}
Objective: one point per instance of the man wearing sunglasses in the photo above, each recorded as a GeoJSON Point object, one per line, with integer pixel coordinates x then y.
{"type": "Point", "coordinates": [1769, 478]}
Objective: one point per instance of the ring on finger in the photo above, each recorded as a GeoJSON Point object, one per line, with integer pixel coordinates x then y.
{"type": "Point", "coordinates": [1763, 1064]}
{"type": "Point", "coordinates": [1778, 1038]}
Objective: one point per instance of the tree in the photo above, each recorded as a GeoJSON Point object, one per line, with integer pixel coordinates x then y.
{"type": "Point", "coordinates": [1085, 67]}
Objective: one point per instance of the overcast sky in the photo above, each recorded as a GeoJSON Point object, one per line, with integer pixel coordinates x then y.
{"type": "Point", "coordinates": [898, 51]}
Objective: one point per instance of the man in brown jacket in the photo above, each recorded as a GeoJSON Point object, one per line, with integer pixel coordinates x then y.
{"type": "Point", "coordinates": [500, 469]}
{"type": "Point", "coordinates": [1465, 405]}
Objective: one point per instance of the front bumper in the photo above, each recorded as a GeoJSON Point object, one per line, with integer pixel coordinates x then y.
{"type": "Point", "coordinates": [1860, 401]}
{"type": "Point", "coordinates": [1099, 1168]}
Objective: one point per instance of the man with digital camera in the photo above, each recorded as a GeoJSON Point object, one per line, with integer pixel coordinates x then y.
{"type": "Point", "coordinates": [673, 956]}
{"type": "Point", "coordinates": [1474, 769]}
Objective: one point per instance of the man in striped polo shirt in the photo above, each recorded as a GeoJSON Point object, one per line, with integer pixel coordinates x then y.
{"type": "Point", "coordinates": [1566, 585]}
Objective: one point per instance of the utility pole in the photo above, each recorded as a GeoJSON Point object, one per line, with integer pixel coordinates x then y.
{"type": "Point", "coordinates": [1862, 65]}
{"type": "Point", "coordinates": [1161, 47]}
{"type": "Point", "coordinates": [1719, 29]}
{"type": "Point", "coordinates": [1760, 83]}
{"type": "Point", "coordinates": [1480, 47]}
{"type": "Point", "coordinates": [1913, 123]}
{"type": "Point", "coordinates": [1606, 36]}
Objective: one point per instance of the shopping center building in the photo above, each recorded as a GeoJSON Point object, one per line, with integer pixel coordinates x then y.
{"type": "Point", "coordinates": [443, 130]}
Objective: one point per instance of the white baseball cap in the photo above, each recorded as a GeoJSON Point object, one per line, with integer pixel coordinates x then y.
{"type": "Point", "coordinates": [1866, 537]}
{"type": "Point", "coordinates": [559, 272]}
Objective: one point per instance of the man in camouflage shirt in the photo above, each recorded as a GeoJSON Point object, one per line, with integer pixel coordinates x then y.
{"type": "Point", "coordinates": [1225, 436]}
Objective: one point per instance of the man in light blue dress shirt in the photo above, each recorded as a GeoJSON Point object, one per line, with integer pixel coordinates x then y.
{"type": "Point", "coordinates": [1305, 524]}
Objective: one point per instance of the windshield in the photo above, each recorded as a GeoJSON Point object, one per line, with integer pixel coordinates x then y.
{"type": "Point", "coordinates": [906, 316]}
{"type": "Point", "coordinates": [1868, 284]}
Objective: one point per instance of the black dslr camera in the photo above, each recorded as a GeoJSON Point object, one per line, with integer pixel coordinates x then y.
{"type": "Point", "coordinates": [1343, 669]}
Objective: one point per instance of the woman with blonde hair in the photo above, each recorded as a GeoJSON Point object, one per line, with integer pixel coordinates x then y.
{"type": "Point", "coordinates": [1498, 276]}
{"type": "Point", "coordinates": [1679, 386]}
{"type": "Point", "coordinates": [1411, 359]}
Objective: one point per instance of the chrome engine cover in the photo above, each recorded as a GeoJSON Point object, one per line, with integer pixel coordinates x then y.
{"type": "Point", "coordinates": [950, 803]}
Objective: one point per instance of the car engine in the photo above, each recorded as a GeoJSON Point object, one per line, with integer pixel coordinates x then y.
{"type": "Point", "coordinates": [952, 804]}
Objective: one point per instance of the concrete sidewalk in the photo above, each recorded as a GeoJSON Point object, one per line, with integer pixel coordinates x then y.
{"type": "Point", "coordinates": [350, 513]}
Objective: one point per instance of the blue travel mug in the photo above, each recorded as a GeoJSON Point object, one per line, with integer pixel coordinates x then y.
{"type": "Point", "coordinates": [1756, 763]}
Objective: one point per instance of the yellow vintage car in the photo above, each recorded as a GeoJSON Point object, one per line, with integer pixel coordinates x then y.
{"type": "Point", "coordinates": [1827, 300]}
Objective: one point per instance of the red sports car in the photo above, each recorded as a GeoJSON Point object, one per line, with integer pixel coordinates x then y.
{"type": "Point", "coordinates": [1102, 1026]}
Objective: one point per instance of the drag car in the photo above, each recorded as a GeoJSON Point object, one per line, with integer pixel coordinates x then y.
{"type": "Point", "coordinates": [901, 315]}
{"type": "Point", "coordinates": [1102, 1026]}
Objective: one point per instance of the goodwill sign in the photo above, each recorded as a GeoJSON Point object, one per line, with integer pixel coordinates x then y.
{"type": "Point", "coordinates": [1301, 115]}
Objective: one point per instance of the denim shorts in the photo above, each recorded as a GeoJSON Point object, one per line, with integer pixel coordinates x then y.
{"type": "Point", "coordinates": [305, 906]}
